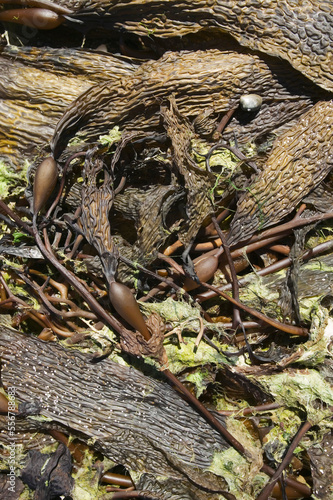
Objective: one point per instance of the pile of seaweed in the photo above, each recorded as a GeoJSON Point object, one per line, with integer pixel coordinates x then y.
{"type": "Point", "coordinates": [159, 205]}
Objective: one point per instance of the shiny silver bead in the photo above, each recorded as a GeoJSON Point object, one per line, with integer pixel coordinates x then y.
{"type": "Point", "coordinates": [250, 102]}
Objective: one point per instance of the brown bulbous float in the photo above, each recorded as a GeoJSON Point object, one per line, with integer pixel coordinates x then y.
{"type": "Point", "coordinates": [205, 268]}
{"type": "Point", "coordinates": [42, 19]}
{"type": "Point", "coordinates": [127, 307]}
{"type": "Point", "coordinates": [45, 180]}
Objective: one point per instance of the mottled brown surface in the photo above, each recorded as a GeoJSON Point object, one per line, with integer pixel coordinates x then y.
{"type": "Point", "coordinates": [133, 419]}
{"type": "Point", "coordinates": [198, 80]}
{"type": "Point", "coordinates": [299, 32]}
{"type": "Point", "coordinates": [36, 86]}
{"type": "Point", "coordinates": [300, 159]}
{"type": "Point", "coordinates": [321, 464]}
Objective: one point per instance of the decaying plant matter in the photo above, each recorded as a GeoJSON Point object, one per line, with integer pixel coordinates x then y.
{"type": "Point", "coordinates": [166, 259]}
{"type": "Point", "coordinates": [299, 34]}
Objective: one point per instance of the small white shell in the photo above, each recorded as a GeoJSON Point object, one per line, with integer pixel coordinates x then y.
{"type": "Point", "coordinates": [250, 102]}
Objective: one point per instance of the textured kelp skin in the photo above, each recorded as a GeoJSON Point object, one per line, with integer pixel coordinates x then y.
{"type": "Point", "coordinates": [30, 111]}
{"type": "Point", "coordinates": [299, 32]}
{"type": "Point", "coordinates": [131, 418]}
{"type": "Point", "coordinates": [123, 411]}
{"type": "Point", "coordinates": [198, 80]}
{"type": "Point", "coordinates": [300, 159]}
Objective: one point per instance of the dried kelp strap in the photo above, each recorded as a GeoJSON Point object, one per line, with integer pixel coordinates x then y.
{"type": "Point", "coordinates": [133, 102]}
{"type": "Point", "coordinates": [131, 341]}
{"type": "Point", "coordinates": [207, 414]}
{"type": "Point", "coordinates": [197, 183]}
{"type": "Point", "coordinates": [292, 33]}
{"type": "Point", "coordinates": [113, 400]}
{"type": "Point", "coordinates": [300, 159]}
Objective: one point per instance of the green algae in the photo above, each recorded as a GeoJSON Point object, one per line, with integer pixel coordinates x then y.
{"type": "Point", "coordinates": [313, 352]}
{"type": "Point", "coordinates": [12, 181]}
{"type": "Point", "coordinates": [305, 390]}
{"type": "Point", "coordinates": [277, 440]}
{"type": "Point", "coordinates": [185, 323]}
{"type": "Point", "coordinates": [111, 138]}
{"type": "Point", "coordinates": [242, 475]}
{"type": "Point", "coordinates": [86, 479]}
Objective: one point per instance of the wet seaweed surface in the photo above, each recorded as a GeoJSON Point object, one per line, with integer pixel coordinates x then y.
{"type": "Point", "coordinates": [166, 256]}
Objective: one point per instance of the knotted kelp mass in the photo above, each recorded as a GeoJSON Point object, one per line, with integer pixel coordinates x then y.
{"type": "Point", "coordinates": [166, 249]}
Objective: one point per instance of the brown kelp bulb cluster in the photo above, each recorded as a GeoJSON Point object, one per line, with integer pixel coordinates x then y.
{"type": "Point", "coordinates": [205, 267]}
{"type": "Point", "coordinates": [41, 19]}
{"type": "Point", "coordinates": [45, 180]}
{"type": "Point", "coordinates": [250, 102]}
{"type": "Point", "coordinates": [127, 307]}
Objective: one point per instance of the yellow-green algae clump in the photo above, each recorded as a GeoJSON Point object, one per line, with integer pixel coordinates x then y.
{"type": "Point", "coordinates": [242, 473]}
{"type": "Point", "coordinates": [12, 181]}
{"type": "Point", "coordinates": [185, 320]}
{"type": "Point", "coordinates": [304, 389]}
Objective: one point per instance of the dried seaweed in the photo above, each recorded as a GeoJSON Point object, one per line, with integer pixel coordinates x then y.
{"type": "Point", "coordinates": [162, 178]}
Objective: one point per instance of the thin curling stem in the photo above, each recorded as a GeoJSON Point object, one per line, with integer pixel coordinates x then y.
{"type": "Point", "coordinates": [293, 330]}
{"type": "Point", "coordinates": [62, 182]}
{"type": "Point", "coordinates": [91, 301]}
{"type": "Point", "coordinates": [225, 120]}
{"type": "Point", "coordinates": [235, 287]}
{"type": "Point", "coordinates": [277, 266]}
{"type": "Point", "coordinates": [264, 495]}
{"type": "Point", "coordinates": [15, 218]}
{"type": "Point", "coordinates": [95, 306]}
{"type": "Point", "coordinates": [302, 488]}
